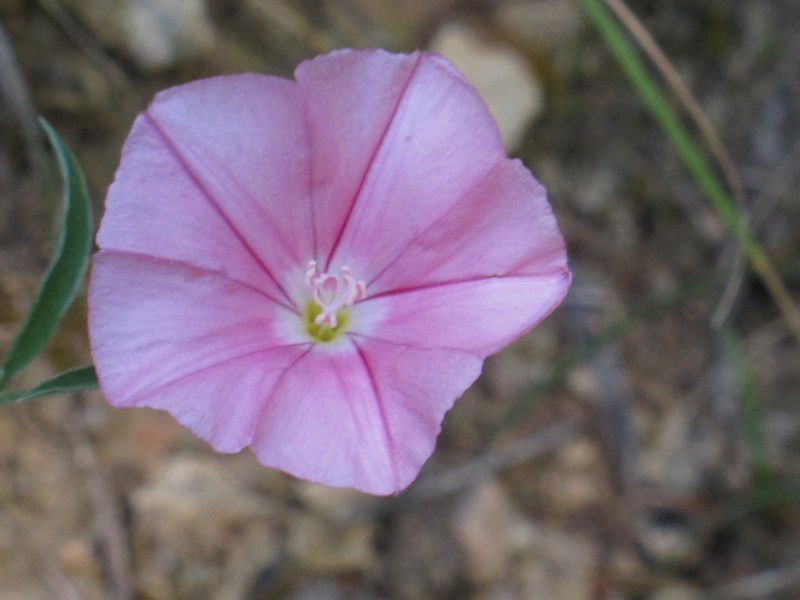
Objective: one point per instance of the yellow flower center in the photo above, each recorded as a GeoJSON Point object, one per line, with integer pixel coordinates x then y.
{"type": "Point", "coordinates": [323, 332]}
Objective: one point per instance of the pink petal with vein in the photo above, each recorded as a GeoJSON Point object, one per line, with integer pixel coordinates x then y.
{"type": "Point", "coordinates": [197, 185]}
{"type": "Point", "coordinates": [365, 417]}
{"type": "Point", "coordinates": [502, 226]}
{"type": "Point", "coordinates": [439, 144]}
{"type": "Point", "coordinates": [384, 169]}
{"type": "Point", "coordinates": [197, 344]}
{"type": "Point", "coordinates": [480, 316]}
{"type": "Point", "coordinates": [351, 98]}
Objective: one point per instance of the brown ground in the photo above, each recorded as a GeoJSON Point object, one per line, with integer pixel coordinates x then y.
{"type": "Point", "coordinates": [648, 454]}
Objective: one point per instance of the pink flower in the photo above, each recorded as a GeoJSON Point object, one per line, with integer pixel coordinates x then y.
{"type": "Point", "coordinates": [317, 268]}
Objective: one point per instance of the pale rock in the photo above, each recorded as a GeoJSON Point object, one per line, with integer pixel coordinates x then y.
{"type": "Point", "coordinates": [582, 382]}
{"type": "Point", "coordinates": [335, 504]}
{"type": "Point", "coordinates": [548, 23]}
{"type": "Point", "coordinates": [323, 590]}
{"type": "Point", "coordinates": [677, 592]}
{"type": "Point", "coordinates": [162, 32]}
{"type": "Point", "coordinates": [196, 499]}
{"type": "Point", "coordinates": [156, 34]}
{"type": "Point", "coordinates": [196, 521]}
{"type": "Point", "coordinates": [595, 189]}
{"type": "Point", "coordinates": [77, 559]}
{"type": "Point", "coordinates": [501, 591]}
{"type": "Point", "coordinates": [501, 76]}
{"type": "Point", "coordinates": [574, 482]}
{"type": "Point", "coordinates": [482, 524]}
{"type": "Point", "coordinates": [26, 591]}
{"type": "Point", "coordinates": [254, 554]}
{"type": "Point", "coordinates": [670, 544]}
{"type": "Point", "coordinates": [675, 454]}
{"type": "Point", "coordinates": [559, 566]}
{"type": "Point", "coordinates": [327, 548]}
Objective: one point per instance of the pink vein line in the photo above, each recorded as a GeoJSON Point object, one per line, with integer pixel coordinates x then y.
{"type": "Point", "coordinates": [425, 286]}
{"type": "Point", "coordinates": [307, 123]}
{"type": "Point", "coordinates": [274, 388]}
{"type": "Point", "coordinates": [187, 265]}
{"type": "Point", "coordinates": [173, 149]}
{"type": "Point", "coordinates": [371, 338]}
{"type": "Point", "coordinates": [387, 432]}
{"type": "Point", "coordinates": [375, 152]}
{"type": "Point", "coordinates": [154, 389]}
{"type": "Point", "coordinates": [417, 236]}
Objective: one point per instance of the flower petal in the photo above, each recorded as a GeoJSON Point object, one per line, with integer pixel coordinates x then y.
{"type": "Point", "coordinates": [503, 226]}
{"type": "Point", "coordinates": [351, 98]}
{"type": "Point", "coordinates": [480, 316]}
{"type": "Point", "coordinates": [435, 142]}
{"type": "Point", "coordinates": [215, 174]}
{"type": "Point", "coordinates": [200, 345]}
{"type": "Point", "coordinates": [363, 416]}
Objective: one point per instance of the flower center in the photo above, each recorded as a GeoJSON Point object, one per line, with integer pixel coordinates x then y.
{"type": "Point", "coordinates": [327, 315]}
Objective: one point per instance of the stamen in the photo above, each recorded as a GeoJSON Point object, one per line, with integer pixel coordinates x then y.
{"type": "Point", "coordinates": [333, 292]}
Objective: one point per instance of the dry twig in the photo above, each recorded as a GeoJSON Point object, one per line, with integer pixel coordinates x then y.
{"type": "Point", "coordinates": [84, 41]}
{"type": "Point", "coordinates": [107, 524]}
{"type": "Point", "coordinates": [14, 91]}
{"type": "Point", "coordinates": [707, 132]}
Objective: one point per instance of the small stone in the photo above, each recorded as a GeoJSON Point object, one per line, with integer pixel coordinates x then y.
{"type": "Point", "coordinates": [8, 434]}
{"type": "Point", "coordinates": [595, 190]}
{"type": "Point", "coordinates": [323, 590]}
{"type": "Point", "coordinates": [156, 34]}
{"type": "Point", "coordinates": [76, 558]}
{"type": "Point", "coordinates": [675, 454]}
{"type": "Point", "coordinates": [330, 549]}
{"type": "Point", "coordinates": [186, 491]}
{"type": "Point", "coordinates": [162, 32]}
{"type": "Point", "coordinates": [548, 23]}
{"type": "Point", "coordinates": [574, 481]}
{"type": "Point", "coordinates": [559, 566]}
{"type": "Point", "coordinates": [422, 560]}
{"type": "Point", "coordinates": [482, 524]}
{"type": "Point", "coordinates": [197, 526]}
{"type": "Point", "coordinates": [665, 536]}
{"type": "Point", "coordinates": [334, 504]}
{"type": "Point", "coordinates": [27, 591]}
{"type": "Point", "coordinates": [583, 382]}
{"type": "Point", "coordinates": [677, 592]}
{"type": "Point", "coordinates": [501, 76]}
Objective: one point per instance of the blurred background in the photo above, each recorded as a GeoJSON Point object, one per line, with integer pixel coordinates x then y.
{"type": "Point", "coordinates": [642, 443]}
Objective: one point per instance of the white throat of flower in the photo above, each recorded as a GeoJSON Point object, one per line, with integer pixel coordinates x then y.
{"type": "Point", "coordinates": [333, 292]}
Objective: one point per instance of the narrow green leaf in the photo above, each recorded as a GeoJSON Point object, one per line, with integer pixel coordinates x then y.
{"type": "Point", "coordinates": [65, 273]}
{"type": "Point", "coordinates": [79, 378]}
{"type": "Point", "coordinates": [692, 157]}
{"type": "Point", "coordinates": [667, 119]}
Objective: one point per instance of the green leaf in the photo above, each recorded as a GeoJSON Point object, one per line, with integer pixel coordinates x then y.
{"type": "Point", "coordinates": [79, 378]}
{"type": "Point", "coordinates": [65, 273]}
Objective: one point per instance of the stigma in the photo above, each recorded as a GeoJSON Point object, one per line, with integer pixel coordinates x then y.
{"type": "Point", "coordinates": [332, 293]}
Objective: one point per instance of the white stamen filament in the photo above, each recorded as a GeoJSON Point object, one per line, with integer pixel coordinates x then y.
{"type": "Point", "coordinates": [333, 292]}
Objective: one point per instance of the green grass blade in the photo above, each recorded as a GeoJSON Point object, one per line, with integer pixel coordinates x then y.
{"type": "Point", "coordinates": [691, 156]}
{"type": "Point", "coordinates": [666, 117]}
{"type": "Point", "coordinates": [79, 378]}
{"type": "Point", "coordinates": [65, 273]}
{"type": "Point", "coordinates": [752, 415]}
